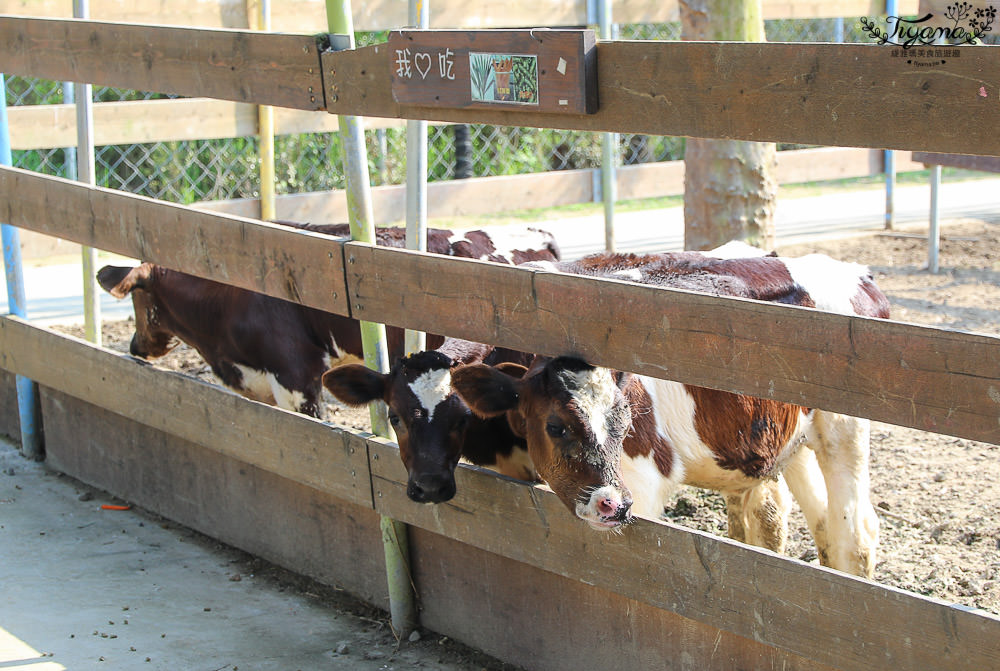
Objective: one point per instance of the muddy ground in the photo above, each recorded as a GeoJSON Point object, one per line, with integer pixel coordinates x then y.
{"type": "Point", "coordinates": [938, 497]}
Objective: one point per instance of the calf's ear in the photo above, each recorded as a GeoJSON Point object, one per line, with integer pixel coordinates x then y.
{"type": "Point", "coordinates": [355, 384]}
{"type": "Point", "coordinates": [119, 281]}
{"type": "Point", "coordinates": [514, 370]}
{"type": "Point", "coordinates": [487, 391]}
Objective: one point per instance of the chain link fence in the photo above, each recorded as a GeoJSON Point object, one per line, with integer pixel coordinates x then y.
{"type": "Point", "coordinates": [189, 171]}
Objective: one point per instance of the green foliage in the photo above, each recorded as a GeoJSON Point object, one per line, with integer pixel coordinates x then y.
{"type": "Point", "coordinates": [483, 76]}
{"type": "Point", "coordinates": [524, 78]}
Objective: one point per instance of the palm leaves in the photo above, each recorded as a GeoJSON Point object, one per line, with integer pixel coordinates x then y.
{"type": "Point", "coordinates": [482, 76]}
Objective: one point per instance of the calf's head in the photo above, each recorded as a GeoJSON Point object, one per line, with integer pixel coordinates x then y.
{"type": "Point", "coordinates": [428, 418]}
{"type": "Point", "coordinates": [151, 339]}
{"type": "Point", "coordinates": [574, 418]}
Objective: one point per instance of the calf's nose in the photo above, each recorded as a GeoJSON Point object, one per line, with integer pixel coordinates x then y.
{"type": "Point", "coordinates": [611, 508]}
{"type": "Point", "coordinates": [424, 488]}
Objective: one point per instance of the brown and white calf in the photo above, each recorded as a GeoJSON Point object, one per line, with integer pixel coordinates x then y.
{"type": "Point", "coordinates": [611, 444]}
{"type": "Point", "coordinates": [265, 348]}
{"type": "Point", "coordinates": [434, 428]}
{"type": "Point", "coordinates": [509, 245]}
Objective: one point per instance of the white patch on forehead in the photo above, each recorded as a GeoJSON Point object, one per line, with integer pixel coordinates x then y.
{"type": "Point", "coordinates": [431, 388]}
{"type": "Point", "coordinates": [594, 393]}
{"type": "Point", "coordinates": [831, 283]}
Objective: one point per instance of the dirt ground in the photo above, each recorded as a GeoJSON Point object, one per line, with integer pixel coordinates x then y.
{"type": "Point", "coordinates": [937, 497]}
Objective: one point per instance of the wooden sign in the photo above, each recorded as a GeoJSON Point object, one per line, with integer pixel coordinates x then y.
{"type": "Point", "coordinates": [538, 70]}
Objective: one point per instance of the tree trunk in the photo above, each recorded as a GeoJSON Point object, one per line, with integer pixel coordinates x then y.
{"type": "Point", "coordinates": [463, 151]}
{"type": "Point", "coordinates": [729, 185]}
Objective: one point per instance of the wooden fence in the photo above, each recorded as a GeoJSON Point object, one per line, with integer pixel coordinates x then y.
{"type": "Point", "coordinates": [47, 126]}
{"type": "Point", "coordinates": [503, 566]}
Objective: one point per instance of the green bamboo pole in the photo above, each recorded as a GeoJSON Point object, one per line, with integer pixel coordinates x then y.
{"type": "Point", "coordinates": [402, 604]}
{"type": "Point", "coordinates": [259, 18]}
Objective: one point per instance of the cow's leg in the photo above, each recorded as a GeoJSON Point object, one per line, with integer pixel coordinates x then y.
{"type": "Point", "coordinates": [842, 449]}
{"type": "Point", "coordinates": [806, 482]}
{"type": "Point", "coordinates": [761, 514]}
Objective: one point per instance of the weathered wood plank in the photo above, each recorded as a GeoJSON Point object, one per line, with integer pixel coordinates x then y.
{"type": "Point", "coordinates": [293, 265]}
{"type": "Point", "coordinates": [819, 614]}
{"type": "Point", "coordinates": [483, 195]}
{"type": "Point", "coordinates": [242, 66]}
{"type": "Point", "coordinates": [984, 163]}
{"type": "Point", "coordinates": [296, 526]}
{"type": "Point", "coordinates": [558, 69]}
{"type": "Point", "coordinates": [824, 94]}
{"type": "Point", "coordinates": [288, 444]}
{"type": "Point", "coordinates": [460, 197]}
{"type": "Point", "coordinates": [904, 374]}
{"type": "Point", "coordinates": [506, 608]}
{"type": "Point", "coordinates": [136, 122]}
{"type": "Point", "coordinates": [10, 421]}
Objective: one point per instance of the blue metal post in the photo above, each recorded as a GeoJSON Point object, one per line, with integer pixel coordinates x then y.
{"type": "Point", "coordinates": [27, 394]}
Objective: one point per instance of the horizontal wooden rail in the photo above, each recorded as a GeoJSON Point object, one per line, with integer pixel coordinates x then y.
{"type": "Point", "coordinates": [242, 66]}
{"type": "Point", "coordinates": [301, 267]}
{"type": "Point", "coordinates": [819, 614]}
{"type": "Point", "coordinates": [926, 378]}
{"type": "Point", "coordinates": [825, 94]}
{"type": "Point", "coordinates": [483, 195]}
{"type": "Point", "coordinates": [306, 15]}
{"type": "Point", "coordinates": [983, 163]}
{"type": "Point", "coordinates": [289, 444]}
{"type": "Point", "coordinates": [141, 121]}
{"type": "Point", "coordinates": [816, 614]}
{"type": "Point", "coordinates": [857, 95]}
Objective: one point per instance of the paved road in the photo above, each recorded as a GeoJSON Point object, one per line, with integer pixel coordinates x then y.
{"type": "Point", "coordinates": [55, 292]}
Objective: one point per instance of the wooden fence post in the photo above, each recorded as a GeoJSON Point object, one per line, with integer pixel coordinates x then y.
{"type": "Point", "coordinates": [259, 18]}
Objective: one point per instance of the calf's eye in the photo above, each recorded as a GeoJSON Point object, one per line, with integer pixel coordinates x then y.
{"type": "Point", "coordinates": [555, 430]}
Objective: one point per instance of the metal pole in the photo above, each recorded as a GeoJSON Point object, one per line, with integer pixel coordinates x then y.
{"type": "Point", "coordinates": [416, 178]}
{"type": "Point", "coordinates": [402, 604]}
{"type": "Point", "coordinates": [889, 155]}
{"type": "Point", "coordinates": [85, 169]}
{"type": "Point", "coordinates": [69, 98]}
{"type": "Point", "coordinates": [934, 235]}
{"type": "Point", "coordinates": [27, 391]}
{"type": "Point", "coordinates": [609, 146]}
{"type": "Point", "coordinates": [260, 19]}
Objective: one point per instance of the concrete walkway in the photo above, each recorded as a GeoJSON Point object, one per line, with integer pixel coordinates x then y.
{"type": "Point", "coordinates": [82, 587]}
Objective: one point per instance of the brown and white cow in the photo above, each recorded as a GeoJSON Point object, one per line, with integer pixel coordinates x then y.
{"type": "Point", "coordinates": [509, 245]}
{"type": "Point", "coordinates": [434, 428]}
{"type": "Point", "coordinates": [265, 348]}
{"type": "Point", "coordinates": [611, 444]}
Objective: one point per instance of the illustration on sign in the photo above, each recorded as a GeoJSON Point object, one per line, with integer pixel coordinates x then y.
{"type": "Point", "coordinates": [505, 78]}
